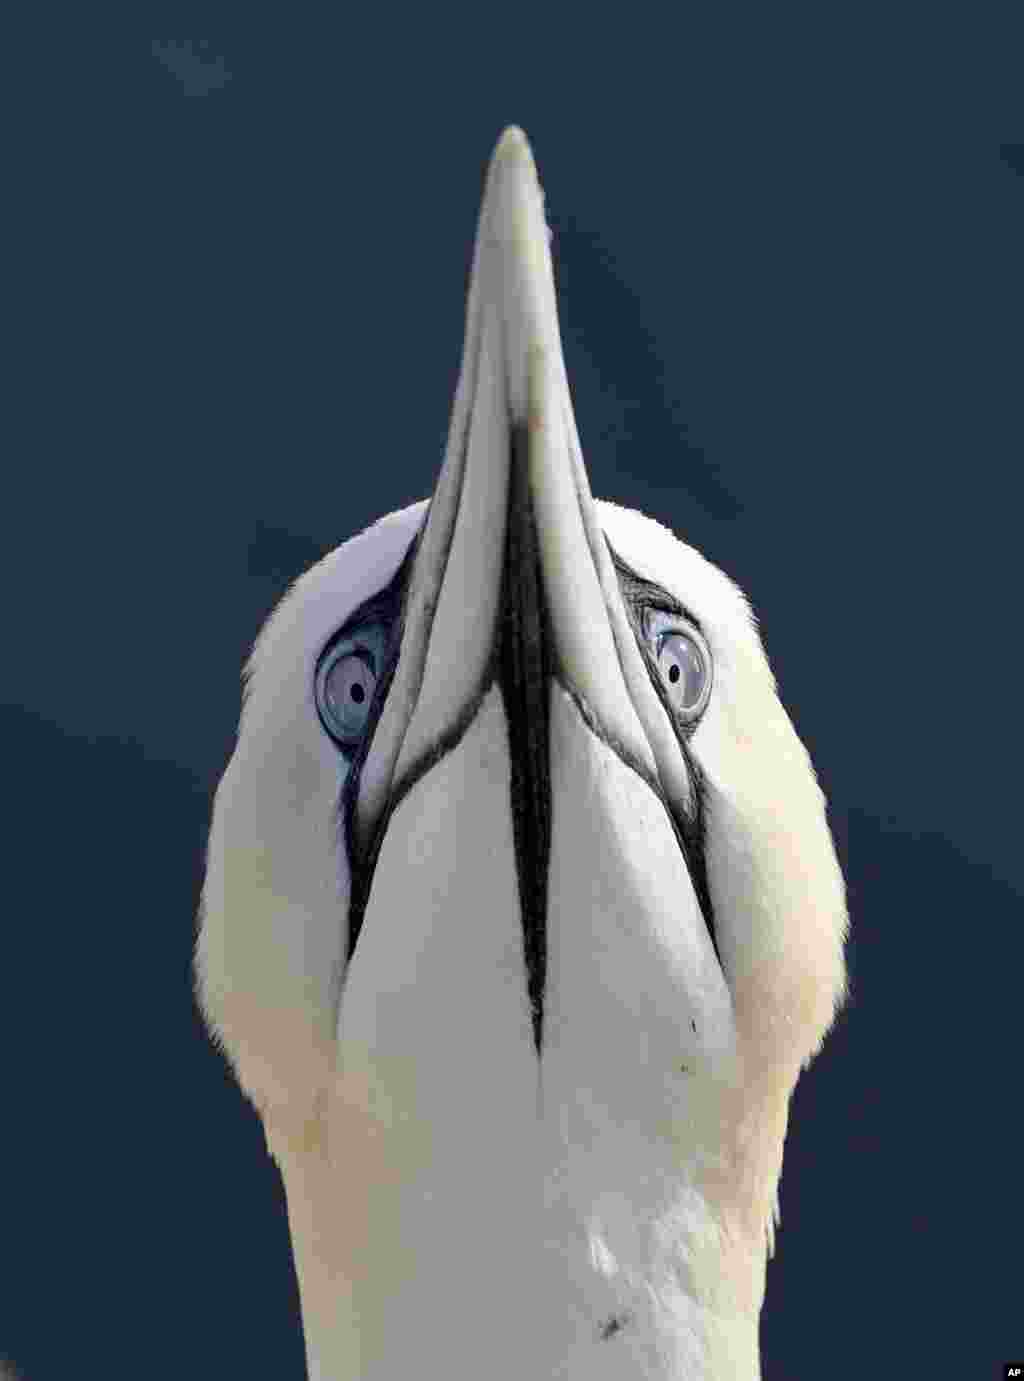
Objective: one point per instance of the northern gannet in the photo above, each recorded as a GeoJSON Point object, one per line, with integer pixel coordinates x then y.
{"type": "Point", "coordinates": [521, 914]}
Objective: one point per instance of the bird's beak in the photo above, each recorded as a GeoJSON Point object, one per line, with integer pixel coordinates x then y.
{"type": "Point", "coordinates": [513, 584]}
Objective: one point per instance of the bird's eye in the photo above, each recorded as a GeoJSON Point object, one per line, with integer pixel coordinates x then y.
{"type": "Point", "coordinates": [684, 663]}
{"type": "Point", "coordinates": [345, 682]}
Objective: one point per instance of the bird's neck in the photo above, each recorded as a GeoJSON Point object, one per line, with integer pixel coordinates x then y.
{"type": "Point", "coordinates": [579, 1252]}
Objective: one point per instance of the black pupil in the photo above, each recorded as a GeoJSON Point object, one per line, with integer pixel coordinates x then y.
{"type": "Point", "coordinates": [674, 673]}
{"type": "Point", "coordinates": [358, 693]}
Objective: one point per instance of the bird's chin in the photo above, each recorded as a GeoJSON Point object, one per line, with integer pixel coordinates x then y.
{"type": "Point", "coordinates": [631, 980]}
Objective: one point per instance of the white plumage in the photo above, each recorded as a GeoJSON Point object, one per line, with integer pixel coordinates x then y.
{"type": "Point", "coordinates": [524, 1133]}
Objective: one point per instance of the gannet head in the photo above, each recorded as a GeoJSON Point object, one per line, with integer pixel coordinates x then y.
{"type": "Point", "coordinates": [521, 912]}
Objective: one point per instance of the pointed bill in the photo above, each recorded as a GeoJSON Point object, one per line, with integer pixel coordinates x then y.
{"type": "Point", "coordinates": [513, 379]}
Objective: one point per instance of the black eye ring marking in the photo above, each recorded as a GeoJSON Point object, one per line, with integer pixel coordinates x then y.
{"type": "Point", "coordinates": [646, 603]}
{"type": "Point", "coordinates": [641, 596]}
{"type": "Point", "coordinates": [381, 613]}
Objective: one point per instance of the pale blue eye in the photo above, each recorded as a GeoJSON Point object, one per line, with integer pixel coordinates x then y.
{"type": "Point", "coordinates": [682, 670]}
{"type": "Point", "coordinates": [348, 684]}
{"type": "Point", "coordinates": [684, 664]}
{"type": "Point", "coordinates": [346, 680]}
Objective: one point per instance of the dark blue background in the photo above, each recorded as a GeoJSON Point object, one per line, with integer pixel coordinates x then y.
{"type": "Point", "coordinates": [789, 259]}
